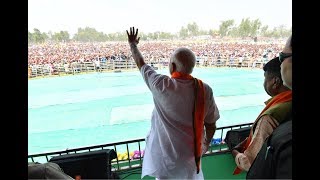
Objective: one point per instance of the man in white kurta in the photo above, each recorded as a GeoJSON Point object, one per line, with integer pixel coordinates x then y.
{"type": "Point", "coordinates": [169, 149]}
{"type": "Point", "coordinates": [170, 145]}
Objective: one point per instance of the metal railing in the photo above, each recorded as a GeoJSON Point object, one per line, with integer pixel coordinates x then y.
{"type": "Point", "coordinates": [128, 64]}
{"type": "Point", "coordinates": [221, 133]}
{"type": "Point", "coordinates": [129, 162]}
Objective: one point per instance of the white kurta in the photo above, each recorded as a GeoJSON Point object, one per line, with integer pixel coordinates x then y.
{"type": "Point", "coordinates": [169, 151]}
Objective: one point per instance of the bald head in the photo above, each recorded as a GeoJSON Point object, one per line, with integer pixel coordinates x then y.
{"type": "Point", "coordinates": [286, 65]}
{"type": "Point", "coordinates": [182, 60]}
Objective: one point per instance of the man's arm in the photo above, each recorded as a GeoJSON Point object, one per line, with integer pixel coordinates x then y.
{"type": "Point", "coordinates": [210, 130]}
{"type": "Point", "coordinates": [133, 41]}
{"type": "Point", "coordinates": [263, 129]}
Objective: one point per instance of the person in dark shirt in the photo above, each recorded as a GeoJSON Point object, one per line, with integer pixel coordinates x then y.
{"type": "Point", "coordinates": [274, 160]}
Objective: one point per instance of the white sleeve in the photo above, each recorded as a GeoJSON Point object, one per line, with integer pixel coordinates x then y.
{"type": "Point", "coordinates": [151, 77]}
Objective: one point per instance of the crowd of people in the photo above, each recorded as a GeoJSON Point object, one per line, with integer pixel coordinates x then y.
{"type": "Point", "coordinates": [52, 55]}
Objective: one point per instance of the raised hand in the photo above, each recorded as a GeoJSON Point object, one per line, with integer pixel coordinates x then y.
{"type": "Point", "coordinates": [132, 36]}
{"type": "Point", "coordinates": [133, 41]}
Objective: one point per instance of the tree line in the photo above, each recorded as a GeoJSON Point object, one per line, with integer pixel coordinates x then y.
{"type": "Point", "coordinates": [227, 28]}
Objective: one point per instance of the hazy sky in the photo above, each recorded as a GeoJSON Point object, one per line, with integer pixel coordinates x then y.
{"type": "Point", "coordinates": [152, 15]}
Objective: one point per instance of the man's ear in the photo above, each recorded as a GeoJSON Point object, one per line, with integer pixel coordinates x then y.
{"type": "Point", "coordinates": [277, 81]}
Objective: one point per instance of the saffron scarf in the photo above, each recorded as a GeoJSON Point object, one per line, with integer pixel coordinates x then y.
{"type": "Point", "coordinates": [198, 114]}
{"type": "Point", "coordinates": [279, 98]}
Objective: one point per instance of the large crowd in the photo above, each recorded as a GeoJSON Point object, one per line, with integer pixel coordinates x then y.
{"type": "Point", "coordinates": [65, 53]}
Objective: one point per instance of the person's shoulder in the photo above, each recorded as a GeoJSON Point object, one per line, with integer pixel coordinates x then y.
{"type": "Point", "coordinates": [285, 125]}
{"type": "Point", "coordinates": [207, 86]}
